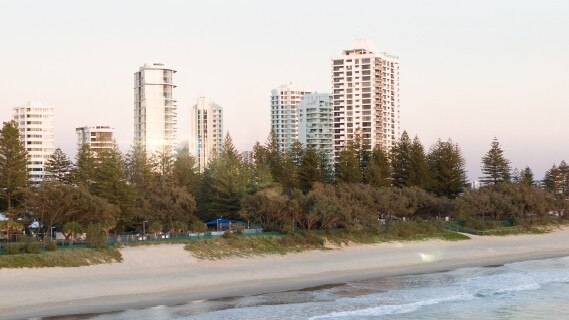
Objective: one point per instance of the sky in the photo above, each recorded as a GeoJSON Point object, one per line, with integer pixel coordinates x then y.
{"type": "Point", "coordinates": [469, 70]}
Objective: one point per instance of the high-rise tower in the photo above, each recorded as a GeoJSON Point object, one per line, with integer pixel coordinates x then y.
{"type": "Point", "coordinates": [365, 86]}
{"type": "Point", "coordinates": [284, 114]}
{"type": "Point", "coordinates": [35, 122]}
{"type": "Point", "coordinates": [206, 131]}
{"type": "Point", "coordinates": [155, 112]}
{"type": "Point", "coordinates": [315, 122]}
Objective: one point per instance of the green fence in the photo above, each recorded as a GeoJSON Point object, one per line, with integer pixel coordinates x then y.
{"type": "Point", "coordinates": [138, 239]}
{"type": "Point", "coordinates": [506, 226]}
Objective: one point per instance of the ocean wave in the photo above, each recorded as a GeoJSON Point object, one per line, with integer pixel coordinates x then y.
{"type": "Point", "coordinates": [392, 308]}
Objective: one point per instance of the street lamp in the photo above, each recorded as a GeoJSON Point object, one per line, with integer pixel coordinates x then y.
{"type": "Point", "coordinates": [144, 227]}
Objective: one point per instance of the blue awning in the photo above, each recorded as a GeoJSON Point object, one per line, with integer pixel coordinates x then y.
{"type": "Point", "coordinates": [222, 220]}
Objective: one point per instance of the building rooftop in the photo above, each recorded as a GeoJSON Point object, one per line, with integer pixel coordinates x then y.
{"type": "Point", "coordinates": [155, 65]}
{"type": "Point", "coordinates": [365, 44]}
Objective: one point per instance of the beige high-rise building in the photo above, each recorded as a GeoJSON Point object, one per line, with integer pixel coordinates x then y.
{"type": "Point", "coordinates": [35, 122]}
{"type": "Point", "coordinates": [97, 137]}
{"type": "Point", "coordinates": [206, 131]}
{"type": "Point", "coordinates": [155, 110]}
{"type": "Point", "coordinates": [365, 88]}
{"type": "Point", "coordinates": [284, 114]}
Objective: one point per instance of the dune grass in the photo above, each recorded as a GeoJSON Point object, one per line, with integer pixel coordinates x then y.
{"type": "Point", "coordinates": [241, 246]}
{"type": "Point", "coordinates": [61, 258]}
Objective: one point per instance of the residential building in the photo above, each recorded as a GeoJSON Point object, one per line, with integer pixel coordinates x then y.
{"type": "Point", "coordinates": [97, 137]}
{"type": "Point", "coordinates": [365, 86]}
{"type": "Point", "coordinates": [35, 122]}
{"type": "Point", "coordinates": [284, 114]}
{"type": "Point", "coordinates": [155, 111]}
{"type": "Point", "coordinates": [206, 131]}
{"type": "Point", "coordinates": [315, 122]}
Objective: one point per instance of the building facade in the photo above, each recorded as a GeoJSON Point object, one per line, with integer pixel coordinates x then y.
{"type": "Point", "coordinates": [35, 122]}
{"type": "Point", "coordinates": [97, 137]}
{"type": "Point", "coordinates": [315, 122]}
{"type": "Point", "coordinates": [155, 110]}
{"type": "Point", "coordinates": [365, 87]}
{"type": "Point", "coordinates": [284, 114]}
{"type": "Point", "coordinates": [206, 131]}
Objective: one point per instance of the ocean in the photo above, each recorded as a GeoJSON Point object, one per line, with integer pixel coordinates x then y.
{"type": "Point", "coordinates": [536, 289]}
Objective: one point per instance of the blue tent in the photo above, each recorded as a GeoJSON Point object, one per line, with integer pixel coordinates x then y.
{"type": "Point", "coordinates": [222, 220]}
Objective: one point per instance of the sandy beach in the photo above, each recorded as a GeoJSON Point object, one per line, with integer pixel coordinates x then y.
{"type": "Point", "coordinates": [166, 274]}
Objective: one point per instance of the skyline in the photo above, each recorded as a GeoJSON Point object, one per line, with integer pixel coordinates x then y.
{"type": "Point", "coordinates": [468, 72]}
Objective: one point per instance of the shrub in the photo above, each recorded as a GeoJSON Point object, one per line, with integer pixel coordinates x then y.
{"type": "Point", "coordinates": [13, 248]}
{"type": "Point", "coordinates": [228, 235]}
{"type": "Point", "coordinates": [237, 228]}
{"type": "Point", "coordinates": [287, 229]}
{"type": "Point", "coordinates": [198, 226]}
{"type": "Point", "coordinates": [155, 227]}
{"type": "Point", "coordinates": [50, 245]}
{"type": "Point", "coordinates": [96, 236]}
{"type": "Point", "coordinates": [178, 227]}
{"type": "Point", "coordinates": [32, 247]}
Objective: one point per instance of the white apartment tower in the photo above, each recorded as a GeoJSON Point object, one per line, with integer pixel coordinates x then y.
{"type": "Point", "coordinates": [206, 131]}
{"type": "Point", "coordinates": [97, 137]}
{"type": "Point", "coordinates": [315, 122]}
{"type": "Point", "coordinates": [155, 113]}
{"type": "Point", "coordinates": [35, 122]}
{"type": "Point", "coordinates": [365, 86]}
{"type": "Point", "coordinates": [284, 114]}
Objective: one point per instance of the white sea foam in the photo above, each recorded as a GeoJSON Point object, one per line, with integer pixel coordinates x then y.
{"type": "Point", "coordinates": [392, 309]}
{"type": "Point", "coordinates": [520, 290]}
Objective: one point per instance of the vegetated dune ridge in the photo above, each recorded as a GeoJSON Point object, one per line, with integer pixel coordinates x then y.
{"type": "Point", "coordinates": [167, 274]}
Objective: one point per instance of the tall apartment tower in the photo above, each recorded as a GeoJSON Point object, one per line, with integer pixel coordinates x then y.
{"type": "Point", "coordinates": [284, 114]}
{"type": "Point", "coordinates": [35, 122]}
{"type": "Point", "coordinates": [315, 122]}
{"type": "Point", "coordinates": [97, 137]}
{"type": "Point", "coordinates": [155, 112]}
{"type": "Point", "coordinates": [365, 86]}
{"type": "Point", "coordinates": [206, 131]}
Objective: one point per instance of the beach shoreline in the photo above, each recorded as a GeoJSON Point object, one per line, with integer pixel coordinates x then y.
{"type": "Point", "coordinates": [169, 275]}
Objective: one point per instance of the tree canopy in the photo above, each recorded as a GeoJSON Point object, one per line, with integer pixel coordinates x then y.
{"type": "Point", "coordinates": [13, 161]}
{"type": "Point", "coordinates": [495, 167]}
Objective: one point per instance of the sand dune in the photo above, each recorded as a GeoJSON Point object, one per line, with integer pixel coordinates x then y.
{"type": "Point", "coordinates": [166, 274]}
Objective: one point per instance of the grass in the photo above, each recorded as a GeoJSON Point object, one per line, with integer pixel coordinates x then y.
{"type": "Point", "coordinates": [506, 227]}
{"type": "Point", "coordinates": [517, 231]}
{"type": "Point", "coordinates": [61, 258]}
{"type": "Point", "coordinates": [453, 236]}
{"type": "Point", "coordinates": [240, 246]}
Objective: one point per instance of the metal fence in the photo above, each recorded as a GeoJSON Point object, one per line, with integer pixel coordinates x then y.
{"type": "Point", "coordinates": [128, 238]}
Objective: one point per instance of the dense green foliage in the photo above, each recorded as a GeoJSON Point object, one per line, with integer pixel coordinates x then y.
{"type": "Point", "coordinates": [447, 167]}
{"type": "Point", "coordinates": [495, 167]}
{"type": "Point", "coordinates": [363, 189]}
{"type": "Point", "coordinates": [13, 160]}
{"type": "Point", "coordinates": [58, 167]}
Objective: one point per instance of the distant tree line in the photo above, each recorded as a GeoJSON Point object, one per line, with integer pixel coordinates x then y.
{"type": "Point", "coordinates": [300, 189]}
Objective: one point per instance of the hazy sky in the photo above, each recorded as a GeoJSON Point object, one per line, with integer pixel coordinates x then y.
{"type": "Point", "coordinates": [470, 70]}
